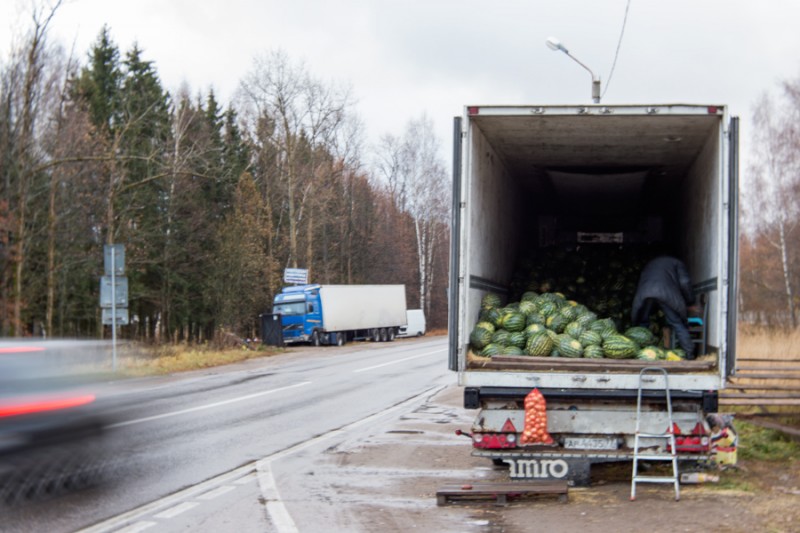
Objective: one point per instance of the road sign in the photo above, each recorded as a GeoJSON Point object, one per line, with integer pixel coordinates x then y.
{"type": "Point", "coordinates": [121, 315]}
{"type": "Point", "coordinates": [298, 276]}
{"type": "Point", "coordinates": [120, 290]}
{"type": "Point", "coordinates": [114, 257]}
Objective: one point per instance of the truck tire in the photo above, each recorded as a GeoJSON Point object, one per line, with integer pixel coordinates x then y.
{"type": "Point", "coordinates": [392, 334]}
{"type": "Point", "coordinates": [376, 335]}
{"type": "Point", "coordinates": [315, 338]}
{"type": "Point", "coordinates": [341, 339]}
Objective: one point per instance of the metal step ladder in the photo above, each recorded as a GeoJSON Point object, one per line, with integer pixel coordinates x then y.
{"type": "Point", "coordinates": [669, 436]}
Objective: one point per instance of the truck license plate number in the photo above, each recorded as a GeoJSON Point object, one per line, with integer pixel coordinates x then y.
{"type": "Point", "coordinates": [588, 443]}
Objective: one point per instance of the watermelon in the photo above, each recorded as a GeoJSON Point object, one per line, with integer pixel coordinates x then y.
{"type": "Point", "coordinates": [588, 337]}
{"type": "Point", "coordinates": [618, 346]}
{"type": "Point", "coordinates": [675, 354]}
{"type": "Point", "coordinates": [486, 325]}
{"type": "Point", "coordinates": [569, 347]}
{"type": "Point", "coordinates": [593, 351]}
{"type": "Point", "coordinates": [518, 339]}
{"type": "Point", "coordinates": [548, 308]}
{"type": "Point", "coordinates": [480, 337]}
{"type": "Point", "coordinates": [649, 353]}
{"type": "Point", "coordinates": [491, 301]}
{"type": "Point", "coordinates": [539, 344]}
{"type": "Point", "coordinates": [512, 350]}
{"type": "Point", "coordinates": [514, 321]}
{"type": "Point", "coordinates": [529, 296]}
{"type": "Point", "coordinates": [527, 307]}
{"type": "Point", "coordinates": [494, 316]}
{"type": "Point", "coordinates": [501, 337]}
{"type": "Point", "coordinates": [534, 329]}
{"type": "Point", "coordinates": [557, 322]}
{"type": "Point", "coordinates": [570, 312]}
{"type": "Point", "coordinates": [492, 349]}
{"type": "Point", "coordinates": [573, 329]}
{"type": "Point", "coordinates": [536, 318]}
{"type": "Point", "coordinates": [642, 336]}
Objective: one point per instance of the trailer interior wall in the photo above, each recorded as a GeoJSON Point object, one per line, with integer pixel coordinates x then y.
{"type": "Point", "coordinates": [703, 228]}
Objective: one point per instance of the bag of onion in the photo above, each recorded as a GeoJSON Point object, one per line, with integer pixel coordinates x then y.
{"type": "Point", "coordinates": [535, 431]}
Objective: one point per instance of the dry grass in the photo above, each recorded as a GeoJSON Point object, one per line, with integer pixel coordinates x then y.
{"type": "Point", "coordinates": [762, 343]}
{"type": "Point", "coordinates": [180, 358]}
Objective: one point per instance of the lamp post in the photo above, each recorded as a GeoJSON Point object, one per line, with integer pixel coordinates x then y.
{"type": "Point", "coordinates": [554, 44]}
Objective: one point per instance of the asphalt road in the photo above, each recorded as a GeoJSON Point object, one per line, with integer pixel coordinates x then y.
{"type": "Point", "coordinates": [215, 449]}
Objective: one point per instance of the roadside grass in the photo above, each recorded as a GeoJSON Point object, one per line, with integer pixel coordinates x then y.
{"type": "Point", "coordinates": [762, 444]}
{"type": "Point", "coordinates": [169, 359]}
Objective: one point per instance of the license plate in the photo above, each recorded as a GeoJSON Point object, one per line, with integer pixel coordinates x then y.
{"type": "Point", "coordinates": [590, 443]}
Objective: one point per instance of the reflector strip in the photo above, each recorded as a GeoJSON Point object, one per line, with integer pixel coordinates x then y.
{"type": "Point", "coordinates": [42, 406]}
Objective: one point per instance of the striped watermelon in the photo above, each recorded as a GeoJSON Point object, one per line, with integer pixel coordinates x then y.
{"type": "Point", "coordinates": [590, 337]}
{"type": "Point", "coordinates": [618, 346]}
{"type": "Point", "coordinates": [642, 336]}
{"type": "Point", "coordinates": [569, 347]}
{"type": "Point", "coordinates": [514, 321]}
{"type": "Point", "coordinates": [491, 301]}
{"type": "Point", "coordinates": [593, 351]}
{"type": "Point", "coordinates": [480, 338]}
{"type": "Point", "coordinates": [492, 349]}
{"type": "Point", "coordinates": [539, 345]}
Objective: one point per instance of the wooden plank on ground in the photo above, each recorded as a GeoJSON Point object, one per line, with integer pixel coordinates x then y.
{"type": "Point", "coordinates": [767, 376]}
{"type": "Point", "coordinates": [501, 492]}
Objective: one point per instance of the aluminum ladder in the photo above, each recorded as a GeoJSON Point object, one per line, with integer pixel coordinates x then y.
{"type": "Point", "coordinates": [669, 436]}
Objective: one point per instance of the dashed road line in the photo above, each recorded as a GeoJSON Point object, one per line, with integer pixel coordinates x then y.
{"type": "Point", "coordinates": [216, 492]}
{"type": "Point", "coordinates": [397, 361]}
{"type": "Point", "coordinates": [208, 405]}
{"type": "Point", "coordinates": [137, 527]}
{"type": "Point", "coordinates": [175, 511]}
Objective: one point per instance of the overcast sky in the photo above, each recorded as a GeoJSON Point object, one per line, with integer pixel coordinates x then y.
{"type": "Point", "coordinates": [403, 58]}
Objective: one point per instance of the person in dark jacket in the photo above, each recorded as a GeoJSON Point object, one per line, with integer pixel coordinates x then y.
{"type": "Point", "coordinates": [665, 282]}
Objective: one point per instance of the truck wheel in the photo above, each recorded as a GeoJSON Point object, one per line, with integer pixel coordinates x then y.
{"type": "Point", "coordinates": [382, 335]}
{"type": "Point", "coordinates": [376, 335]}
{"type": "Point", "coordinates": [340, 339]}
{"type": "Point", "coordinates": [392, 334]}
{"type": "Point", "coordinates": [315, 338]}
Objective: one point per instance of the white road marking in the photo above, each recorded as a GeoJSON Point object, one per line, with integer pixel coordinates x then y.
{"type": "Point", "coordinates": [279, 515]}
{"type": "Point", "coordinates": [397, 361]}
{"type": "Point", "coordinates": [207, 406]}
{"type": "Point", "coordinates": [137, 527]}
{"type": "Point", "coordinates": [216, 492]}
{"type": "Point", "coordinates": [175, 511]}
{"type": "Point", "coordinates": [276, 510]}
{"type": "Point", "coordinates": [244, 474]}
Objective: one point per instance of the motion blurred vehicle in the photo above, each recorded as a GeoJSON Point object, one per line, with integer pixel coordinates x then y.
{"type": "Point", "coordinates": [51, 422]}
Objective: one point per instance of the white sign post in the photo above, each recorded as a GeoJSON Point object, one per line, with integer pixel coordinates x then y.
{"type": "Point", "coordinates": [114, 305]}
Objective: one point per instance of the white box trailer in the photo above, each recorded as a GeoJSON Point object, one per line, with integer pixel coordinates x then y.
{"type": "Point", "coordinates": [537, 177]}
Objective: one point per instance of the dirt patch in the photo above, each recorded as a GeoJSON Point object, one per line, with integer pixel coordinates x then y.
{"type": "Point", "coordinates": [390, 483]}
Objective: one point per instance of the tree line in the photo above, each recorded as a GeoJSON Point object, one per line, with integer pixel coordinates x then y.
{"type": "Point", "coordinates": [211, 201]}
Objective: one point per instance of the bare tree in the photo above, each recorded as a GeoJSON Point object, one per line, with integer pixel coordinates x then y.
{"type": "Point", "coordinates": [774, 208]}
{"type": "Point", "coordinates": [300, 118]}
{"type": "Point", "coordinates": [417, 180]}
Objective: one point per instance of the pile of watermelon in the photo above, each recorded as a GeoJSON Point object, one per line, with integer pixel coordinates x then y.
{"type": "Point", "coordinates": [545, 323]}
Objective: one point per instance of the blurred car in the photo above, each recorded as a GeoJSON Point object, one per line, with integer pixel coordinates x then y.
{"type": "Point", "coordinates": [51, 422]}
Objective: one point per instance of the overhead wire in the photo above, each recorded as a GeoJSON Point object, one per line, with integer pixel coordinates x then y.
{"type": "Point", "coordinates": [619, 44]}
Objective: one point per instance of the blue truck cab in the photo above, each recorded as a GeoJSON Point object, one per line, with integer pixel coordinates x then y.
{"type": "Point", "coordinates": [301, 313]}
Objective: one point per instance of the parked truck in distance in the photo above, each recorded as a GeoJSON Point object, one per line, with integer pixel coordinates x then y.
{"type": "Point", "coordinates": [415, 324]}
{"type": "Point", "coordinates": [564, 203]}
{"type": "Point", "coordinates": [337, 314]}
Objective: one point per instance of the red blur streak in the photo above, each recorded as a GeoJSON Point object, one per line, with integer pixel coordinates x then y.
{"type": "Point", "coordinates": [494, 441]}
{"type": "Point", "coordinates": [21, 349]}
{"type": "Point", "coordinates": [42, 406]}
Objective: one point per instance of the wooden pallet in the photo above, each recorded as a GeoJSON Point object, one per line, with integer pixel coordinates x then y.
{"type": "Point", "coordinates": [501, 492]}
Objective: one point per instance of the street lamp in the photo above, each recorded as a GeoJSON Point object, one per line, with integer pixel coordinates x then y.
{"type": "Point", "coordinates": [554, 44]}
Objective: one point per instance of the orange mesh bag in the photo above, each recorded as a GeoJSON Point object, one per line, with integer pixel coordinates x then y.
{"type": "Point", "coordinates": [535, 431]}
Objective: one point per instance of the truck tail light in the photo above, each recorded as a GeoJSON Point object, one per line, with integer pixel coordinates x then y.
{"type": "Point", "coordinates": [491, 441]}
